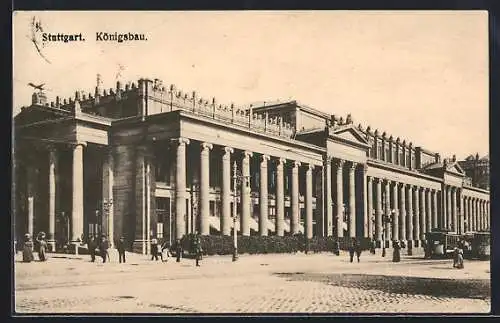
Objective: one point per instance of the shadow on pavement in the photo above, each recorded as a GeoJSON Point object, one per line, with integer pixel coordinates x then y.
{"type": "Point", "coordinates": [437, 287]}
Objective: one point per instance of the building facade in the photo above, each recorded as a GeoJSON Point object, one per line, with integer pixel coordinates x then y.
{"type": "Point", "coordinates": [145, 161]}
{"type": "Point", "coordinates": [478, 170]}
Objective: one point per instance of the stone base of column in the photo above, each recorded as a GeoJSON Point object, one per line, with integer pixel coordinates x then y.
{"type": "Point", "coordinates": [76, 248]}
{"type": "Point", "coordinates": [409, 246]}
{"type": "Point", "coordinates": [51, 244]}
{"type": "Point", "coordinates": [137, 246]}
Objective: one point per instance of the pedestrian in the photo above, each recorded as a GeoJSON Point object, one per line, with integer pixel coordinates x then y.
{"type": "Point", "coordinates": [373, 244]}
{"type": "Point", "coordinates": [197, 248]}
{"type": "Point", "coordinates": [336, 249]}
{"type": "Point", "coordinates": [165, 251]}
{"type": "Point", "coordinates": [27, 248]}
{"type": "Point", "coordinates": [396, 251]}
{"type": "Point", "coordinates": [103, 248]}
{"type": "Point", "coordinates": [178, 250]}
{"type": "Point", "coordinates": [42, 246]}
{"type": "Point", "coordinates": [154, 249]}
{"type": "Point", "coordinates": [358, 249]}
{"type": "Point", "coordinates": [427, 253]}
{"type": "Point", "coordinates": [121, 249]}
{"type": "Point", "coordinates": [458, 256]}
{"type": "Point", "coordinates": [92, 245]}
{"type": "Point", "coordinates": [352, 249]}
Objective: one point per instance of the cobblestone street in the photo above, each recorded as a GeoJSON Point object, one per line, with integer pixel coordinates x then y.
{"type": "Point", "coordinates": [315, 283]}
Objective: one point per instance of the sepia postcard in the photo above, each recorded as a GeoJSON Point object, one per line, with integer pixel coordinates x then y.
{"type": "Point", "coordinates": [250, 162]}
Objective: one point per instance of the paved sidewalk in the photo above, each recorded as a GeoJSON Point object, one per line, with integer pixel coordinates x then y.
{"type": "Point", "coordinates": [255, 283]}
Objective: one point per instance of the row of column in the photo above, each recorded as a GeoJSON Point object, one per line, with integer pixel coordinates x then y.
{"type": "Point", "coordinates": [76, 216]}
{"type": "Point", "coordinates": [337, 207]}
{"type": "Point", "coordinates": [402, 211]}
{"type": "Point", "coordinates": [476, 213]}
{"type": "Point", "coordinates": [226, 198]}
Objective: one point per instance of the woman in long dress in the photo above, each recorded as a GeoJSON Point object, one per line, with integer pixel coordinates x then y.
{"type": "Point", "coordinates": [42, 246]}
{"type": "Point", "coordinates": [27, 248]}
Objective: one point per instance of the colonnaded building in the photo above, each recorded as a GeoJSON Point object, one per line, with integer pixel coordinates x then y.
{"type": "Point", "coordinates": [145, 161]}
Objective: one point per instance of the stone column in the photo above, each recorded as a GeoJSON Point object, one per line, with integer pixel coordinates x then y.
{"type": "Point", "coordinates": [180, 188]}
{"type": "Point", "coordinates": [448, 208]}
{"type": "Point", "coordinates": [444, 224]}
{"type": "Point", "coordinates": [52, 198]}
{"type": "Point", "coordinates": [77, 206]}
{"type": "Point", "coordinates": [245, 194]}
{"type": "Point", "coordinates": [141, 237]}
{"type": "Point", "coordinates": [395, 220]}
{"type": "Point", "coordinates": [225, 219]}
{"type": "Point", "coordinates": [470, 215]}
{"type": "Point", "coordinates": [369, 205]}
{"type": "Point", "coordinates": [366, 210]}
{"type": "Point", "coordinates": [378, 211]}
{"type": "Point", "coordinates": [352, 200]}
{"type": "Point", "coordinates": [454, 219]}
{"type": "Point", "coordinates": [402, 212]}
{"type": "Point", "coordinates": [107, 194]}
{"type": "Point", "coordinates": [409, 198]}
{"type": "Point", "coordinates": [428, 207]}
{"type": "Point", "coordinates": [327, 169]}
{"type": "Point", "coordinates": [480, 220]}
{"type": "Point", "coordinates": [423, 215]}
{"type": "Point", "coordinates": [308, 202]}
{"type": "Point", "coordinates": [205, 189]}
{"type": "Point", "coordinates": [387, 211]}
{"type": "Point", "coordinates": [488, 218]}
{"type": "Point", "coordinates": [263, 196]}
{"type": "Point", "coordinates": [474, 214]}
{"type": "Point", "coordinates": [340, 199]}
{"type": "Point", "coordinates": [280, 198]}
{"type": "Point", "coordinates": [148, 203]}
{"type": "Point", "coordinates": [294, 222]}
{"type": "Point", "coordinates": [483, 213]}
{"type": "Point", "coordinates": [416, 227]}
{"type": "Point", "coordinates": [435, 223]}
{"type": "Point", "coordinates": [461, 213]}
{"type": "Point", "coordinates": [31, 174]}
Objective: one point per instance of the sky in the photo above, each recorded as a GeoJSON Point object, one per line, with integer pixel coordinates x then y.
{"type": "Point", "coordinates": [421, 76]}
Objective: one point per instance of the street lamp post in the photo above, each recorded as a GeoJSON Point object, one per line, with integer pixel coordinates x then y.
{"type": "Point", "coordinates": [237, 179]}
{"type": "Point", "coordinates": [106, 207]}
{"type": "Point", "coordinates": [235, 201]}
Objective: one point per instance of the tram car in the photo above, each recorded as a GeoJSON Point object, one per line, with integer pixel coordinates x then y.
{"type": "Point", "coordinates": [481, 246]}
{"type": "Point", "coordinates": [441, 244]}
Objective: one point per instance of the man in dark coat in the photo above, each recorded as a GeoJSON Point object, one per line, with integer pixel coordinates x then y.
{"type": "Point", "coordinates": [197, 248]}
{"type": "Point", "coordinates": [178, 250]}
{"type": "Point", "coordinates": [154, 249]}
{"type": "Point", "coordinates": [396, 251]}
{"type": "Point", "coordinates": [121, 249]}
{"type": "Point", "coordinates": [103, 248]}
{"type": "Point", "coordinates": [92, 245]}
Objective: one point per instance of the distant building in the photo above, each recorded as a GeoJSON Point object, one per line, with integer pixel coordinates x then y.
{"type": "Point", "coordinates": [478, 170]}
{"type": "Point", "coordinates": [147, 161]}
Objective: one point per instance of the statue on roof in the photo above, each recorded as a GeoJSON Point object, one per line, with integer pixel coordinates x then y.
{"type": "Point", "coordinates": [349, 120]}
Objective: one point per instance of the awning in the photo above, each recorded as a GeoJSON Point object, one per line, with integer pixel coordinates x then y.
{"type": "Point", "coordinates": [254, 225]}
{"type": "Point", "coordinates": [214, 222]}
{"type": "Point", "coordinates": [270, 225]}
{"type": "Point", "coordinates": [287, 226]}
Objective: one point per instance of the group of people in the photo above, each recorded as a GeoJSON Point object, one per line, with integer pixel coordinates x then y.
{"type": "Point", "coordinates": [100, 248]}
{"type": "Point", "coordinates": [29, 247]}
{"type": "Point", "coordinates": [164, 251]}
